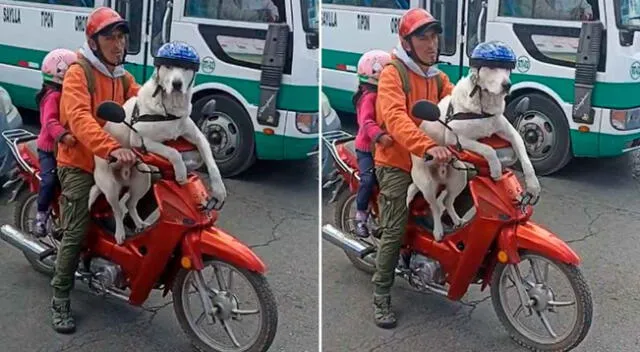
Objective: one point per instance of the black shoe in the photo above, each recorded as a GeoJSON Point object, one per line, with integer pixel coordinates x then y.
{"type": "Point", "coordinates": [61, 318]}
{"type": "Point", "coordinates": [383, 315]}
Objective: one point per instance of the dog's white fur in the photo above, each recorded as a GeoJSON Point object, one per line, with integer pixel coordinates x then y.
{"type": "Point", "coordinates": [428, 176]}
{"type": "Point", "coordinates": [177, 101]}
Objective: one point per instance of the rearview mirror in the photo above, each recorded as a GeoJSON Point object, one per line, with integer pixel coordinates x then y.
{"type": "Point", "coordinates": [111, 111]}
{"type": "Point", "coordinates": [426, 110]}
{"type": "Point", "coordinates": [523, 106]}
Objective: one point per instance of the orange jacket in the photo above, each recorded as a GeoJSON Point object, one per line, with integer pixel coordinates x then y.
{"type": "Point", "coordinates": [394, 115]}
{"type": "Point", "coordinates": [76, 115]}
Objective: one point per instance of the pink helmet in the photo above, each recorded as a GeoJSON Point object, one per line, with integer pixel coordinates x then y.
{"type": "Point", "coordinates": [56, 63]}
{"type": "Point", "coordinates": [371, 64]}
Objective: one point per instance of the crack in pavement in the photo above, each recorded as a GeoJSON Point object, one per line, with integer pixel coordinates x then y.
{"type": "Point", "coordinates": [590, 231]}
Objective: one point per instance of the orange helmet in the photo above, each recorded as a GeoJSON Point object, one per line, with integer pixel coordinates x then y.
{"type": "Point", "coordinates": [104, 18]}
{"type": "Point", "coordinates": [417, 19]}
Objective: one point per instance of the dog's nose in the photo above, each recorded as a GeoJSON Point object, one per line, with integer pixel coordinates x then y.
{"type": "Point", "coordinates": [177, 85]}
{"type": "Point", "coordinates": [506, 86]}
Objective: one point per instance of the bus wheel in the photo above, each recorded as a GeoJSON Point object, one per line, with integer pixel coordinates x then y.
{"type": "Point", "coordinates": [545, 132]}
{"type": "Point", "coordinates": [230, 134]}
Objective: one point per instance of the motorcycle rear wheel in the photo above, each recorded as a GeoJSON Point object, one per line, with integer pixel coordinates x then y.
{"type": "Point", "coordinates": [546, 299]}
{"type": "Point", "coordinates": [200, 339]}
{"type": "Point", "coordinates": [26, 203]}
{"type": "Point", "coordinates": [344, 221]}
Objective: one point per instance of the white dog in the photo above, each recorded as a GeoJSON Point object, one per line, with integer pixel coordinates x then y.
{"type": "Point", "coordinates": [166, 94]}
{"type": "Point", "coordinates": [483, 91]}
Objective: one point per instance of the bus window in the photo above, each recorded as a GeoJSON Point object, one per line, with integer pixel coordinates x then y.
{"type": "Point", "coordinates": [475, 36]}
{"type": "Point", "coordinates": [75, 3]}
{"type": "Point", "coordinates": [446, 11]}
{"type": "Point", "coordinates": [134, 17]}
{"type": "Point", "coordinates": [266, 11]}
{"type": "Point", "coordinates": [382, 4]}
{"type": "Point", "coordinates": [562, 10]}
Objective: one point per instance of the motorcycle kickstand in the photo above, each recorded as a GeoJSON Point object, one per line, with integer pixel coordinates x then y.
{"type": "Point", "coordinates": [210, 310]}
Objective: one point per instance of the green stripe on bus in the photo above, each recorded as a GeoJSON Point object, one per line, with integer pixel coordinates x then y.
{"type": "Point", "coordinates": [290, 97]}
{"type": "Point", "coordinates": [605, 95]}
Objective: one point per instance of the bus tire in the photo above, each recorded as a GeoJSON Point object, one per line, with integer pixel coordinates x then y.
{"type": "Point", "coordinates": [236, 133]}
{"type": "Point", "coordinates": [544, 119]}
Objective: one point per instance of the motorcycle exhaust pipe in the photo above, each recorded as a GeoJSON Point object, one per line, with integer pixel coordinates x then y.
{"type": "Point", "coordinates": [19, 240]}
{"type": "Point", "coordinates": [338, 238]}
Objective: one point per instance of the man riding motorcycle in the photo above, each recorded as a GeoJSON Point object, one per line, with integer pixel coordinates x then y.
{"type": "Point", "coordinates": [102, 56]}
{"type": "Point", "coordinates": [418, 52]}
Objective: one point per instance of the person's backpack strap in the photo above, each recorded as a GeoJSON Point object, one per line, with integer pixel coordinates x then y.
{"type": "Point", "coordinates": [404, 77]}
{"type": "Point", "coordinates": [439, 85]}
{"type": "Point", "coordinates": [88, 73]}
{"type": "Point", "coordinates": [125, 86]}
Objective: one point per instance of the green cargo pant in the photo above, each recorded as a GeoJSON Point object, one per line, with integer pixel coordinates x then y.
{"type": "Point", "coordinates": [76, 184]}
{"type": "Point", "coordinates": [394, 215]}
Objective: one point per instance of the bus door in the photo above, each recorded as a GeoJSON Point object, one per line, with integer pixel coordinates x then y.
{"type": "Point", "coordinates": [135, 12]}
{"type": "Point", "coordinates": [450, 13]}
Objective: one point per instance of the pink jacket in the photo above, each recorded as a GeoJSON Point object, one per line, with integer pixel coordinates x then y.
{"type": "Point", "coordinates": [368, 129]}
{"type": "Point", "coordinates": [51, 131]}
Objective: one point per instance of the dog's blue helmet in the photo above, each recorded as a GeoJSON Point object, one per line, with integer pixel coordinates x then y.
{"type": "Point", "coordinates": [177, 54]}
{"type": "Point", "coordinates": [493, 54]}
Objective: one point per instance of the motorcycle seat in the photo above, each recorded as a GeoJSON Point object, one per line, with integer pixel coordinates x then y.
{"type": "Point", "coordinates": [32, 149]}
{"type": "Point", "coordinates": [350, 146]}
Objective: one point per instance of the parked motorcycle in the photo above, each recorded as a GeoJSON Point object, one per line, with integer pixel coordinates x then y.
{"type": "Point", "coordinates": [498, 245]}
{"type": "Point", "coordinates": [171, 255]}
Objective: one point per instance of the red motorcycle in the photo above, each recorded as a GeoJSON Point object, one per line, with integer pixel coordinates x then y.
{"type": "Point", "coordinates": [171, 255]}
{"type": "Point", "coordinates": [498, 245]}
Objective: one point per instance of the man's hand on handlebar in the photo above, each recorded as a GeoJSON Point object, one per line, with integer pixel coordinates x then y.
{"type": "Point", "coordinates": [123, 156]}
{"type": "Point", "coordinates": [439, 154]}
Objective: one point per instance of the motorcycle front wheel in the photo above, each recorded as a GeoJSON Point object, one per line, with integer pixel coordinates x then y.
{"type": "Point", "coordinates": [230, 299]}
{"type": "Point", "coordinates": [560, 318]}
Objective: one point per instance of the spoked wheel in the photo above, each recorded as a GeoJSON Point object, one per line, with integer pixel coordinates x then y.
{"type": "Point", "coordinates": [245, 313]}
{"type": "Point", "coordinates": [345, 215]}
{"type": "Point", "coordinates": [24, 218]}
{"type": "Point", "coordinates": [557, 312]}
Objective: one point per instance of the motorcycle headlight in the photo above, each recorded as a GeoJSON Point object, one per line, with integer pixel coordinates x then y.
{"type": "Point", "coordinates": [307, 122]}
{"type": "Point", "coordinates": [625, 119]}
{"type": "Point", "coordinates": [192, 159]}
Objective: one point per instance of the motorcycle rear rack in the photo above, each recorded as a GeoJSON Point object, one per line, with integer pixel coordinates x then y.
{"type": "Point", "coordinates": [13, 138]}
{"type": "Point", "coordinates": [331, 139]}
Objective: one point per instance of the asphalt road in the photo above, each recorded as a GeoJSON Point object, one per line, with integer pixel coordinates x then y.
{"type": "Point", "coordinates": [593, 204]}
{"type": "Point", "coordinates": [273, 208]}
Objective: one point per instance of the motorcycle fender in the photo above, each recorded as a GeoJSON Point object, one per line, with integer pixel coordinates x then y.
{"type": "Point", "coordinates": [220, 245]}
{"type": "Point", "coordinates": [507, 242]}
{"type": "Point", "coordinates": [533, 237]}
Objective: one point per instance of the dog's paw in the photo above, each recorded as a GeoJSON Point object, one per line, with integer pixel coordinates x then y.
{"type": "Point", "coordinates": [495, 172]}
{"type": "Point", "coordinates": [533, 186]}
{"type": "Point", "coordinates": [437, 235]}
{"type": "Point", "coordinates": [181, 177]}
{"type": "Point", "coordinates": [120, 238]}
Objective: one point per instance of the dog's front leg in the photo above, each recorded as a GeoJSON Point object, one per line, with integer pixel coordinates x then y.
{"type": "Point", "coordinates": [196, 137]}
{"type": "Point", "coordinates": [172, 155]}
{"type": "Point", "coordinates": [495, 167]}
{"type": "Point", "coordinates": [509, 133]}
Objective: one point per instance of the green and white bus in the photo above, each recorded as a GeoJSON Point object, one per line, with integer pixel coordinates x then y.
{"type": "Point", "coordinates": [604, 78]}
{"type": "Point", "coordinates": [240, 67]}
